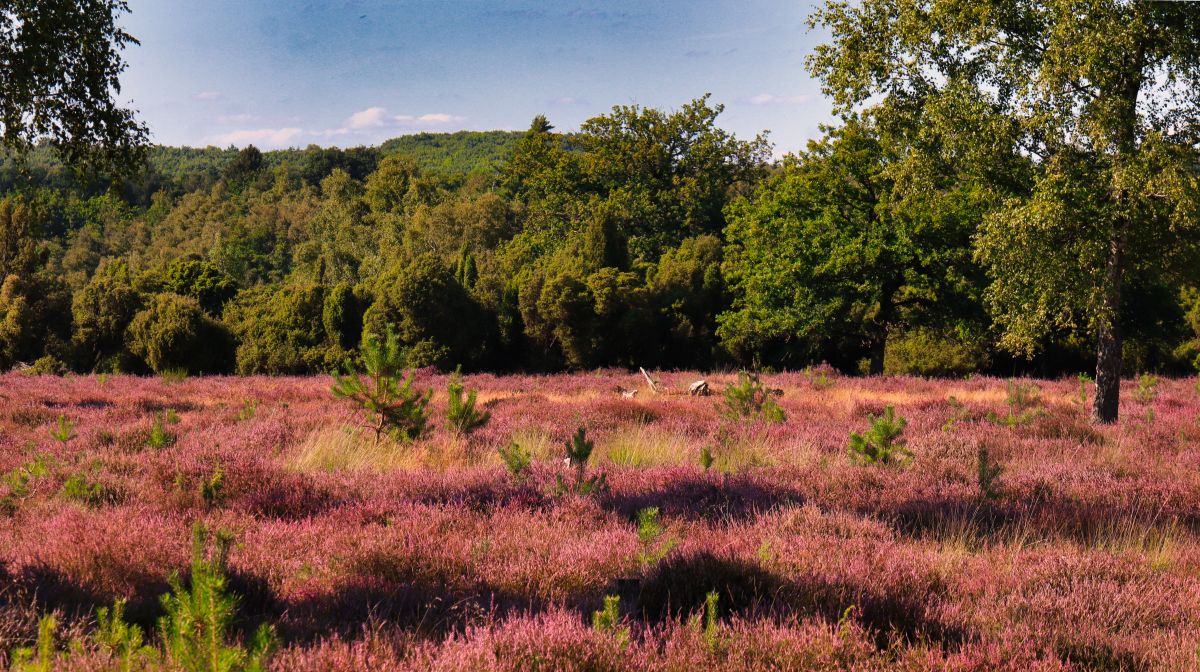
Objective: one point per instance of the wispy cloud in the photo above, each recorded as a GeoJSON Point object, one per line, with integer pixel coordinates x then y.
{"type": "Point", "coordinates": [234, 119]}
{"type": "Point", "coordinates": [772, 99]}
{"type": "Point", "coordinates": [208, 95]}
{"type": "Point", "coordinates": [265, 137]}
{"type": "Point", "coordinates": [363, 126]}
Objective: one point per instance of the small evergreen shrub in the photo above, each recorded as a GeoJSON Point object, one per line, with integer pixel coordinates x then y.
{"type": "Point", "coordinates": [394, 406]}
{"type": "Point", "coordinates": [517, 461]}
{"type": "Point", "coordinates": [608, 620]}
{"type": "Point", "coordinates": [461, 416]}
{"type": "Point", "coordinates": [707, 458]}
{"type": "Point", "coordinates": [248, 411]}
{"type": "Point", "coordinates": [1024, 404]}
{"type": "Point", "coordinates": [883, 442]}
{"type": "Point", "coordinates": [212, 488]}
{"type": "Point", "coordinates": [159, 437]}
{"type": "Point", "coordinates": [652, 539]}
{"type": "Point", "coordinates": [987, 475]}
{"type": "Point", "coordinates": [125, 642]}
{"type": "Point", "coordinates": [195, 627]}
{"type": "Point", "coordinates": [79, 488]}
{"type": "Point", "coordinates": [1147, 388]}
{"type": "Point", "coordinates": [750, 399]}
{"type": "Point", "coordinates": [579, 449]}
{"type": "Point", "coordinates": [64, 431]}
{"type": "Point", "coordinates": [41, 657]}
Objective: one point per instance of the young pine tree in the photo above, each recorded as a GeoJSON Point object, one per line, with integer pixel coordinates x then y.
{"type": "Point", "coordinates": [393, 406]}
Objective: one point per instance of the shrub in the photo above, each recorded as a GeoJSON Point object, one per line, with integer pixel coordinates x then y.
{"type": "Point", "coordinates": [987, 475]}
{"type": "Point", "coordinates": [579, 449]}
{"type": "Point", "coordinates": [882, 443]}
{"type": "Point", "coordinates": [79, 488]}
{"type": "Point", "coordinates": [608, 620]}
{"type": "Point", "coordinates": [195, 627]}
{"type": "Point", "coordinates": [925, 352]}
{"type": "Point", "coordinates": [749, 399]}
{"type": "Point", "coordinates": [123, 641]}
{"type": "Point", "coordinates": [64, 431]}
{"type": "Point", "coordinates": [1147, 388]}
{"type": "Point", "coordinates": [651, 536]}
{"type": "Point", "coordinates": [1024, 404]}
{"type": "Point", "coordinates": [41, 658]}
{"type": "Point", "coordinates": [396, 407]}
{"type": "Point", "coordinates": [461, 416]}
{"type": "Point", "coordinates": [174, 333]}
{"type": "Point", "coordinates": [248, 410]}
{"type": "Point", "coordinates": [516, 460]}
{"type": "Point", "coordinates": [159, 436]}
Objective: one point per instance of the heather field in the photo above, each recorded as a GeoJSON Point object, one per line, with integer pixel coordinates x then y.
{"type": "Point", "coordinates": [1081, 552]}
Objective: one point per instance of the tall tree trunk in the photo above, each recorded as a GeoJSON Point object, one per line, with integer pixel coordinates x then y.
{"type": "Point", "coordinates": [1108, 345]}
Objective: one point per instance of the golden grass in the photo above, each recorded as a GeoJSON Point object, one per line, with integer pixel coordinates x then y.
{"type": "Point", "coordinates": [349, 448]}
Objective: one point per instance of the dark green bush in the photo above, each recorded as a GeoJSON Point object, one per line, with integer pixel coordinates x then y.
{"type": "Point", "coordinates": [174, 333]}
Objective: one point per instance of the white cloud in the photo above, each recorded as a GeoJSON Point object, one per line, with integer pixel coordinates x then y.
{"type": "Point", "coordinates": [434, 119]}
{"type": "Point", "coordinates": [772, 99]}
{"type": "Point", "coordinates": [372, 117]}
{"type": "Point", "coordinates": [262, 137]}
{"type": "Point", "coordinates": [208, 95]}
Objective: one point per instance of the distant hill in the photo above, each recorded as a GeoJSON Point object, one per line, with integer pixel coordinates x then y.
{"type": "Point", "coordinates": [458, 153]}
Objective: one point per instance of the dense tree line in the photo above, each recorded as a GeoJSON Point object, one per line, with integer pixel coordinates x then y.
{"type": "Point", "coordinates": [648, 238]}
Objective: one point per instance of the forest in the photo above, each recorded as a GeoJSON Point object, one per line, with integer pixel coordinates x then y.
{"type": "Point", "coordinates": [648, 238]}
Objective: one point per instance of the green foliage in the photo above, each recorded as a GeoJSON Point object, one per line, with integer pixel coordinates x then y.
{"type": "Point", "coordinates": [517, 461]}
{"type": "Point", "coordinates": [42, 657]}
{"type": "Point", "coordinates": [64, 431]}
{"type": "Point", "coordinates": [102, 311]}
{"type": "Point", "coordinates": [79, 488]}
{"type": "Point", "coordinates": [924, 352]}
{"type": "Point", "coordinates": [211, 287]}
{"type": "Point", "coordinates": [159, 436]}
{"type": "Point", "coordinates": [1024, 404]}
{"type": "Point", "coordinates": [987, 475]}
{"type": "Point", "coordinates": [198, 617]}
{"type": "Point", "coordinates": [248, 410]}
{"type": "Point", "coordinates": [578, 451]}
{"type": "Point", "coordinates": [212, 488]}
{"type": "Point", "coordinates": [61, 81]}
{"type": "Point", "coordinates": [174, 333]}
{"type": "Point", "coordinates": [1083, 379]}
{"type": "Point", "coordinates": [711, 633]}
{"type": "Point", "coordinates": [706, 457]}
{"type": "Point", "coordinates": [608, 620]}
{"type": "Point", "coordinates": [652, 539]}
{"type": "Point", "coordinates": [749, 398]}
{"type": "Point", "coordinates": [395, 407]}
{"type": "Point", "coordinates": [883, 443]}
{"type": "Point", "coordinates": [461, 416]}
{"type": "Point", "coordinates": [125, 642]}
{"type": "Point", "coordinates": [1147, 389]}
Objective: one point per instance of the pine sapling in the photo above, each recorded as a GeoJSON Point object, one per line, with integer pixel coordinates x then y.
{"type": "Point", "coordinates": [64, 431]}
{"type": "Point", "coordinates": [197, 621]}
{"type": "Point", "coordinates": [608, 620]}
{"type": "Point", "coordinates": [517, 461]}
{"type": "Point", "coordinates": [461, 415]}
{"type": "Point", "coordinates": [392, 406]}
{"type": "Point", "coordinates": [652, 539]}
{"type": "Point", "coordinates": [883, 442]}
{"type": "Point", "coordinates": [987, 475]}
{"type": "Point", "coordinates": [579, 449]}
{"type": "Point", "coordinates": [124, 641]}
{"type": "Point", "coordinates": [750, 399]}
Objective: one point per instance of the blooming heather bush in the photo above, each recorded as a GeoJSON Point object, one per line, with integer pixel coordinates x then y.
{"type": "Point", "coordinates": [434, 561]}
{"type": "Point", "coordinates": [396, 407]}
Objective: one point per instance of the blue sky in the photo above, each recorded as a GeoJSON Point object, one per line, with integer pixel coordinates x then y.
{"type": "Point", "coordinates": [348, 72]}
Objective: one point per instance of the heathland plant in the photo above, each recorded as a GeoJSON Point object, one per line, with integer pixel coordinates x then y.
{"type": "Point", "coordinates": [608, 620]}
{"type": "Point", "coordinates": [461, 416]}
{"type": "Point", "coordinates": [1023, 401]}
{"type": "Point", "coordinates": [64, 431]}
{"type": "Point", "coordinates": [124, 641]}
{"type": "Point", "coordinates": [654, 544]}
{"type": "Point", "coordinates": [394, 406]}
{"type": "Point", "coordinates": [195, 628]}
{"type": "Point", "coordinates": [750, 399]}
{"type": "Point", "coordinates": [883, 443]}
{"type": "Point", "coordinates": [1147, 388]}
{"type": "Point", "coordinates": [579, 449]}
{"type": "Point", "coordinates": [517, 461]}
{"type": "Point", "coordinates": [41, 657]}
{"type": "Point", "coordinates": [79, 488]}
{"type": "Point", "coordinates": [159, 436]}
{"type": "Point", "coordinates": [987, 475]}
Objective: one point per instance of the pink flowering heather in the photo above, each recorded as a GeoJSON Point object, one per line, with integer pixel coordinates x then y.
{"type": "Point", "coordinates": [429, 555]}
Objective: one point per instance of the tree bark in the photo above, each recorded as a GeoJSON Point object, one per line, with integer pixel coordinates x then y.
{"type": "Point", "coordinates": [875, 362]}
{"type": "Point", "coordinates": [1108, 345]}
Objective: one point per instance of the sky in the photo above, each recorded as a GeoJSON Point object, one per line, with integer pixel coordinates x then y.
{"type": "Point", "coordinates": [352, 72]}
